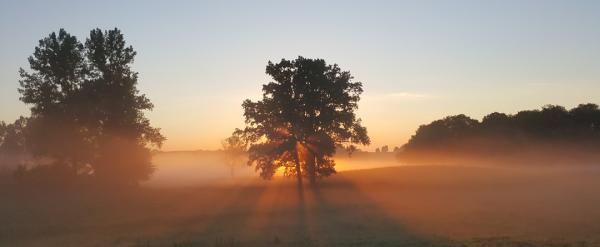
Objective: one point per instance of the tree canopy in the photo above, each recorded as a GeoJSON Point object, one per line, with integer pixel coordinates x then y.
{"type": "Point", "coordinates": [86, 111]}
{"type": "Point", "coordinates": [553, 125]}
{"type": "Point", "coordinates": [306, 110]}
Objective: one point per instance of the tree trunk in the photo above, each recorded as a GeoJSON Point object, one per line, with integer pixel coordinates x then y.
{"type": "Point", "coordinates": [311, 168]}
{"type": "Point", "coordinates": [300, 186]}
{"type": "Point", "coordinates": [299, 174]}
{"type": "Point", "coordinates": [296, 156]}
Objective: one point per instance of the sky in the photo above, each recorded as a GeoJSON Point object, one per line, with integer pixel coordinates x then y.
{"type": "Point", "coordinates": [418, 60]}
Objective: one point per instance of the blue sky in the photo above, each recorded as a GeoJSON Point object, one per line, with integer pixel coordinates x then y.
{"type": "Point", "coordinates": [418, 60]}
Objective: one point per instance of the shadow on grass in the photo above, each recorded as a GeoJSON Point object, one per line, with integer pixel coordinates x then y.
{"type": "Point", "coordinates": [228, 226]}
{"type": "Point", "coordinates": [344, 216]}
{"type": "Point", "coordinates": [334, 213]}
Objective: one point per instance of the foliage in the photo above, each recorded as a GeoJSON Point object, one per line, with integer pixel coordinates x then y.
{"type": "Point", "coordinates": [86, 110]}
{"type": "Point", "coordinates": [438, 132]}
{"type": "Point", "coordinates": [308, 109]}
{"type": "Point", "coordinates": [12, 136]}
{"type": "Point", "coordinates": [12, 143]}
{"type": "Point", "coordinates": [498, 132]}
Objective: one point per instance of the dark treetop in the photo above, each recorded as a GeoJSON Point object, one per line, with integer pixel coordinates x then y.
{"type": "Point", "coordinates": [553, 132]}
{"type": "Point", "coordinates": [87, 114]}
{"type": "Point", "coordinates": [308, 109]}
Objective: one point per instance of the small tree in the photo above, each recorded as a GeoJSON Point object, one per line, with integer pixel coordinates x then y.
{"type": "Point", "coordinates": [308, 109]}
{"type": "Point", "coordinates": [12, 136]}
{"type": "Point", "coordinates": [235, 150]}
{"type": "Point", "coordinates": [12, 143]}
{"type": "Point", "coordinates": [385, 149]}
{"type": "Point", "coordinates": [3, 131]}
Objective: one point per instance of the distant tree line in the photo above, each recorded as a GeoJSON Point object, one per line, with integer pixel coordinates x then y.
{"type": "Point", "coordinates": [87, 117]}
{"type": "Point", "coordinates": [386, 148]}
{"type": "Point", "coordinates": [552, 131]}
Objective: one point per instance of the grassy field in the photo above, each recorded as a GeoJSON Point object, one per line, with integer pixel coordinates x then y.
{"type": "Point", "coordinates": [400, 206]}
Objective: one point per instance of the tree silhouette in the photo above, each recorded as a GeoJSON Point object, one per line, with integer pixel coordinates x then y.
{"type": "Point", "coordinates": [2, 131]}
{"type": "Point", "coordinates": [586, 119]}
{"type": "Point", "coordinates": [308, 109]}
{"type": "Point", "coordinates": [115, 109]}
{"type": "Point", "coordinates": [59, 69]}
{"type": "Point", "coordinates": [12, 136]}
{"type": "Point", "coordinates": [86, 111]}
{"type": "Point", "coordinates": [578, 128]}
{"type": "Point", "coordinates": [385, 149]}
{"type": "Point", "coordinates": [12, 143]}
{"type": "Point", "coordinates": [451, 128]}
{"type": "Point", "coordinates": [235, 151]}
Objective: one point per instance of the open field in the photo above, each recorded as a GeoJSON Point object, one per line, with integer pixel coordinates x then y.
{"type": "Point", "coordinates": [400, 206]}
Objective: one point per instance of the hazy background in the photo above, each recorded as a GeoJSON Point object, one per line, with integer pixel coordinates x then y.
{"type": "Point", "coordinates": [193, 168]}
{"type": "Point", "coordinates": [420, 61]}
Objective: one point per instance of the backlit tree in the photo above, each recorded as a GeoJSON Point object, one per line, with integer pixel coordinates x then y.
{"type": "Point", "coordinates": [306, 110]}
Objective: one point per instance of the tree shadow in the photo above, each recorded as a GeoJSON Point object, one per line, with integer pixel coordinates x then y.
{"type": "Point", "coordinates": [279, 213]}
{"type": "Point", "coordinates": [283, 220]}
{"type": "Point", "coordinates": [271, 213]}
{"type": "Point", "coordinates": [226, 228]}
{"type": "Point", "coordinates": [219, 225]}
{"type": "Point", "coordinates": [303, 237]}
{"type": "Point", "coordinates": [344, 216]}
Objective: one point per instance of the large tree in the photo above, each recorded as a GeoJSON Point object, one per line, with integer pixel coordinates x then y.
{"type": "Point", "coordinates": [58, 69]}
{"type": "Point", "coordinates": [305, 112]}
{"type": "Point", "coordinates": [87, 113]}
{"type": "Point", "coordinates": [114, 108]}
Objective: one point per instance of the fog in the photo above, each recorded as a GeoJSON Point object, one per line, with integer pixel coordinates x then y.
{"type": "Point", "coordinates": [193, 198]}
{"type": "Point", "coordinates": [558, 202]}
{"type": "Point", "coordinates": [193, 168]}
{"type": "Point", "coordinates": [487, 151]}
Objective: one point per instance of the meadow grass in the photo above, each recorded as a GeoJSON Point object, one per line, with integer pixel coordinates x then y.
{"type": "Point", "coordinates": [402, 206]}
